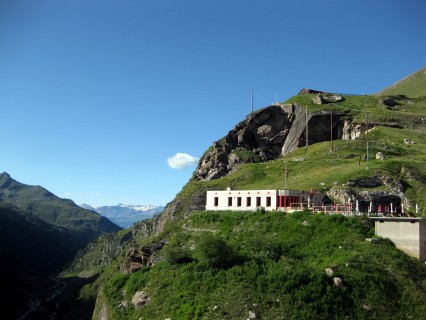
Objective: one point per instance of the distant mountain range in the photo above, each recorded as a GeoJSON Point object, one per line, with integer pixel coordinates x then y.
{"type": "Point", "coordinates": [36, 200]}
{"type": "Point", "coordinates": [125, 215]}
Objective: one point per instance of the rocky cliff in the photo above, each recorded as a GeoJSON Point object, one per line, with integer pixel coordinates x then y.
{"type": "Point", "coordinates": [270, 133]}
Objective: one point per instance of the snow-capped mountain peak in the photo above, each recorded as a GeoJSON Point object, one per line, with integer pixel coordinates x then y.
{"type": "Point", "coordinates": [125, 215]}
{"type": "Point", "coordinates": [137, 207]}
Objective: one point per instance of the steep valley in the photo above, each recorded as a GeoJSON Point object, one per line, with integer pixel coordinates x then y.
{"type": "Point", "coordinates": [40, 234]}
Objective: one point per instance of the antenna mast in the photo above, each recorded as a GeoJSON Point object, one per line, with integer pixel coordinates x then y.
{"type": "Point", "coordinates": [252, 100]}
{"type": "Point", "coordinates": [366, 137]}
{"type": "Point", "coordinates": [306, 120]}
{"type": "Point", "coordinates": [331, 127]}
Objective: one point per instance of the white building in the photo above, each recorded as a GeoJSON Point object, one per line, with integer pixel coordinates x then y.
{"type": "Point", "coordinates": [244, 200]}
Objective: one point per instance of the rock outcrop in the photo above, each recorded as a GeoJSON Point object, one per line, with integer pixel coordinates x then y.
{"type": "Point", "coordinates": [327, 98]}
{"type": "Point", "coordinates": [267, 134]}
{"type": "Point", "coordinates": [310, 91]}
{"type": "Point", "coordinates": [394, 194]}
{"type": "Point", "coordinates": [142, 257]}
{"type": "Point", "coordinates": [389, 103]}
{"type": "Point", "coordinates": [140, 299]}
{"type": "Point", "coordinates": [338, 282]}
{"type": "Point", "coordinates": [380, 156]}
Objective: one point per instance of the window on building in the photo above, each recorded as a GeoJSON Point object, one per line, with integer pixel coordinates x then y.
{"type": "Point", "coordinates": [248, 202]}
{"type": "Point", "coordinates": [216, 201]}
{"type": "Point", "coordinates": [268, 201]}
{"type": "Point", "coordinates": [229, 201]}
{"type": "Point", "coordinates": [258, 203]}
{"type": "Point", "coordinates": [238, 201]}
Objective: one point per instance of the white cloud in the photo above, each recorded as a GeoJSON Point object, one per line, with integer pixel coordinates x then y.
{"type": "Point", "coordinates": [67, 194]}
{"type": "Point", "coordinates": [181, 160]}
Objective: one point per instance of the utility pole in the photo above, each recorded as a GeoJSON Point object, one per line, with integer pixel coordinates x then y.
{"type": "Point", "coordinates": [306, 125]}
{"type": "Point", "coordinates": [366, 137]}
{"type": "Point", "coordinates": [285, 176]}
{"type": "Point", "coordinates": [331, 128]}
{"type": "Point", "coordinates": [251, 100]}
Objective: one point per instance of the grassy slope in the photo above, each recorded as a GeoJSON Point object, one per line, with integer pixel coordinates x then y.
{"type": "Point", "coordinates": [273, 265]}
{"type": "Point", "coordinates": [279, 264]}
{"type": "Point", "coordinates": [411, 86]}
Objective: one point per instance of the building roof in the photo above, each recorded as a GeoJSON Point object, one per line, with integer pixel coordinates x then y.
{"type": "Point", "coordinates": [398, 219]}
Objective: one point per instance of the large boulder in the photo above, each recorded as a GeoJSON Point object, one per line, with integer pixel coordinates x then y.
{"type": "Point", "coordinates": [408, 141]}
{"type": "Point", "coordinates": [380, 156]}
{"type": "Point", "coordinates": [338, 282]}
{"type": "Point", "coordinates": [140, 299]}
{"type": "Point", "coordinates": [327, 98]}
{"type": "Point", "coordinates": [389, 102]}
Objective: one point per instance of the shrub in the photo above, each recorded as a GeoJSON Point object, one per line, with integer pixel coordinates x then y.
{"type": "Point", "coordinates": [215, 252]}
{"type": "Point", "coordinates": [176, 254]}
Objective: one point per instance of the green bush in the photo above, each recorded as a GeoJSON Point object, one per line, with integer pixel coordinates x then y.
{"type": "Point", "coordinates": [176, 254]}
{"type": "Point", "coordinates": [215, 252]}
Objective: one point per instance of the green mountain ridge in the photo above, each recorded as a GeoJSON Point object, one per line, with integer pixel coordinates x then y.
{"type": "Point", "coordinates": [189, 263]}
{"type": "Point", "coordinates": [413, 86]}
{"type": "Point", "coordinates": [61, 212]}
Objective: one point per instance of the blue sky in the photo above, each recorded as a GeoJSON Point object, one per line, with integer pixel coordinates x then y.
{"type": "Point", "coordinates": [97, 97]}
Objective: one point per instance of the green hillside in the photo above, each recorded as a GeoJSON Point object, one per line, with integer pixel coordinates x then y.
{"type": "Point", "coordinates": [412, 86]}
{"type": "Point", "coordinates": [223, 265]}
